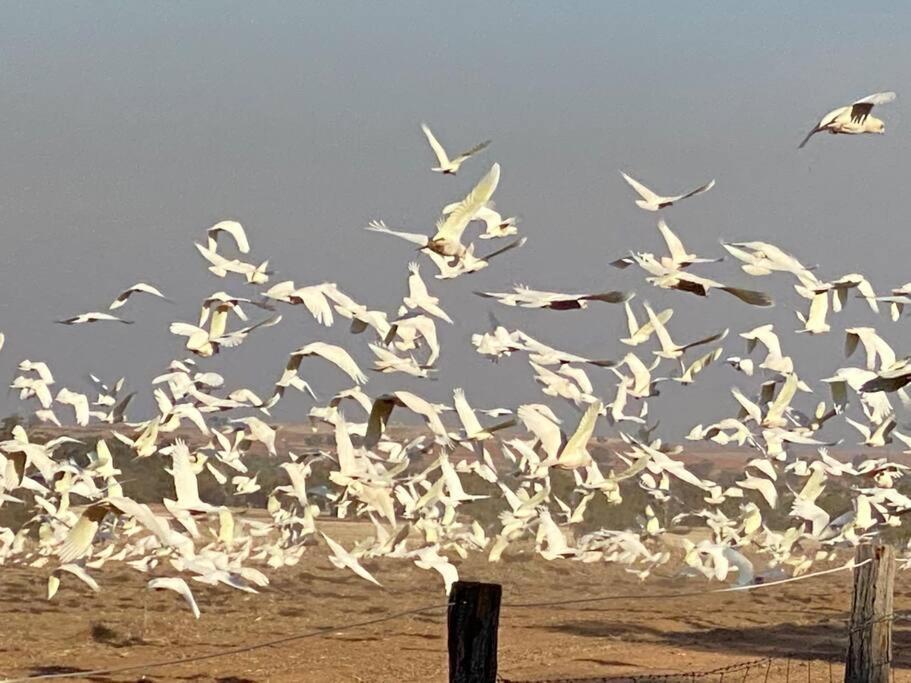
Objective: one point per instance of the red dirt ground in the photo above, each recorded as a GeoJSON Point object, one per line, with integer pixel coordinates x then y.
{"type": "Point", "coordinates": [126, 625]}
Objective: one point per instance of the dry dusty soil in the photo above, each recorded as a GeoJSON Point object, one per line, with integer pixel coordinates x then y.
{"type": "Point", "coordinates": [127, 626]}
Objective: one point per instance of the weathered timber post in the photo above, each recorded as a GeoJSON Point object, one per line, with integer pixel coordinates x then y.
{"type": "Point", "coordinates": [474, 616]}
{"type": "Point", "coordinates": [870, 637]}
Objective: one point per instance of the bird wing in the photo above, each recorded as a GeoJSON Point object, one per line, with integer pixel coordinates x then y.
{"type": "Point", "coordinates": [612, 297]}
{"type": "Point", "coordinates": [689, 373]}
{"type": "Point", "coordinates": [642, 190]}
{"type": "Point", "coordinates": [684, 283]}
{"type": "Point", "coordinates": [861, 108]}
{"type": "Point", "coordinates": [179, 586]}
{"type": "Point", "coordinates": [466, 415]}
{"type": "Point", "coordinates": [363, 573]}
{"type": "Point", "coordinates": [384, 355]}
{"type": "Point", "coordinates": [379, 416]}
{"type": "Point", "coordinates": [452, 228]}
{"type": "Point", "coordinates": [545, 430]}
{"type": "Point", "coordinates": [138, 287]}
{"type": "Point", "coordinates": [642, 376]}
{"type": "Point", "coordinates": [185, 485]}
{"type": "Point", "coordinates": [632, 325]}
{"type": "Point", "coordinates": [643, 332]}
{"type": "Point", "coordinates": [749, 407]}
{"type": "Point", "coordinates": [121, 299]}
{"type": "Point", "coordinates": [877, 98]}
{"type": "Point", "coordinates": [417, 288]}
{"type": "Point", "coordinates": [196, 335]}
{"type": "Point", "coordinates": [344, 449]}
{"type": "Point", "coordinates": [426, 410]}
{"type": "Point", "coordinates": [233, 339]}
{"type": "Point", "coordinates": [579, 376]}
{"type": "Point", "coordinates": [414, 238]}
{"type": "Point", "coordinates": [879, 346]}
{"type": "Point", "coordinates": [765, 487]}
{"type": "Point", "coordinates": [632, 470]}
{"type": "Point", "coordinates": [471, 152]}
{"type": "Point", "coordinates": [699, 190]}
{"type": "Point", "coordinates": [502, 250]}
{"type": "Point", "coordinates": [314, 298]}
{"type": "Point", "coordinates": [745, 574]}
{"type": "Point", "coordinates": [766, 335]}
{"type": "Point", "coordinates": [79, 403]}
{"type": "Point", "coordinates": [622, 263]}
{"type": "Point", "coordinates": [435, 145]}
{"type": "Point", "coordinates": [866, 291]}
{"type": "Point", "coordinates": [674, 245]}
{"type": "Point", "coordinates": [336, 355]}
{"type": "Point", "coordinates": [80, 573]}
{"type": "Point", "coordinates": [585, 429]}
{"type": "Point", "coordinates": [819, 309]}
{"type": "Point", "coordinates": [331, 291]}
{"type": "Point", "coordinates": [143, 514]}
{"type": "Point", "coordinates": [783, 400]}
{"type": "Point", "coordinates": [80, 537]}
{"type": "Point", "coordinates": [852, 337]}
{"type": "Point", "coordinates": [146, 288]}
{"type": "Point", "coordinates": [42, 369]}
{"type": "Point", "coordinates": [661, 332]}
{"type": "Point", "coordinates": [233, 228]}
{"type": "Point", "coordinates": [218, 262]}
{"type": "Point", "coordinates": [428, 330]}
{"type": "Point", "coordinates": [501, 297]}
{"type": "Point", "coordinates": [447, 570]}
{"type": "Point", "coordinates": [448, 268]}
{"type": "Point", "coordinates": [839, 390]}
{"type": "Point", "coordinates": [348, 559]}
{"type": "Point", "coordinates": [750, 296]}
{"type": "Point", "coordinates": [358, 395]}
{"type": "Point", "coordinates": [336, 548]}
{"type": "Point", "coordinates": [705, 340]}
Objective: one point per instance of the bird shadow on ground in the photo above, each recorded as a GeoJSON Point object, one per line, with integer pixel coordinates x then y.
{"type": "Point", "coordinates": [218, 679]}
{"type": "Point", "coordinates": [51, 670]}
{"type": "Point", "coordinates": [603, 662]}
{"type": "Point", "coordinates": [54, 670]}
{"type": "Point", "coordinates": [107, 635]}
{"type": "Point", "coordinates": [825, 640]}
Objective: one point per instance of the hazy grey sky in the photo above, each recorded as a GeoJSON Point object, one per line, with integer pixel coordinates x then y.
{"type": "Point", "coordinates": [129, 128]}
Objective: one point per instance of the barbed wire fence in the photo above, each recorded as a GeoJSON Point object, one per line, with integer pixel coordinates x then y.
{"type": "Point", "coordinates": [762, 668]}
{"type": "Point", "coordinates": [762, 665]}
{"type": "Point", "coordinates": [785, 666]}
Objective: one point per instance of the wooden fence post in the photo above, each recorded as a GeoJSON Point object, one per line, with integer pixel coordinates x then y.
{"type": "Point", "coordinates": [870, 637]}
{"type": "Point", "coordinates": [474, 616]}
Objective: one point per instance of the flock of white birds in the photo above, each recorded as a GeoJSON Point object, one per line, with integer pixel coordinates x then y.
{"type": "Point", "coordinates": [413, 491]}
